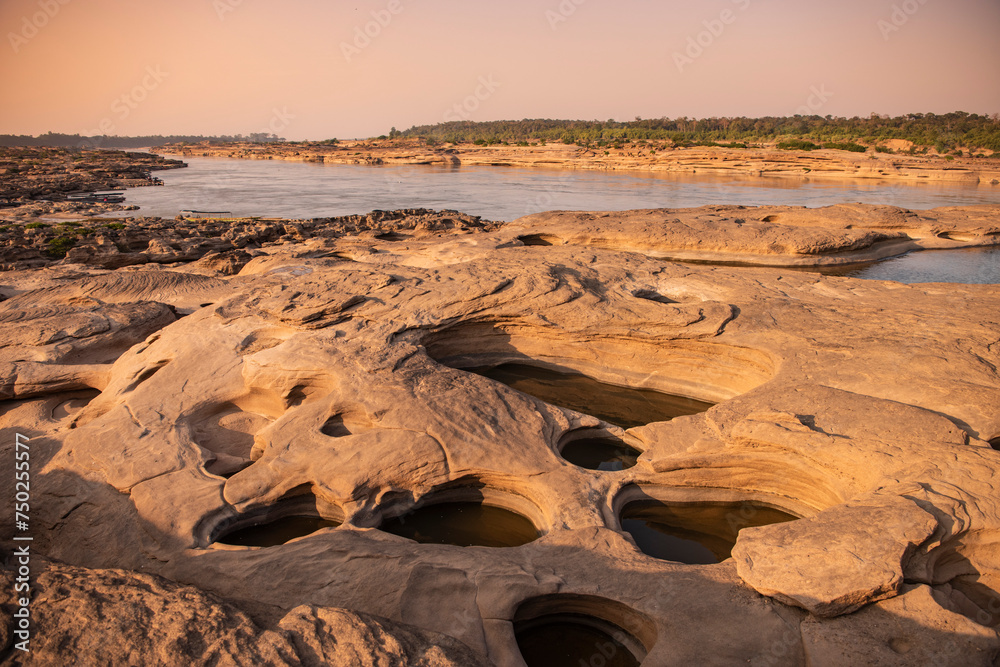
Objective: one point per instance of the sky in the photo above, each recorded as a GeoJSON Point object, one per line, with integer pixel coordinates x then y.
{"type": "Point", "coordinates": [318, 69]}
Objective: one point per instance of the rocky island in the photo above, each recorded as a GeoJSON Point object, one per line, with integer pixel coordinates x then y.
{"type": "Point", "coordinates": [659, 157]}
{"type": "Point", "coordinates": [418, 437]}
{"type": "Point", "coordinates": [41, 181]}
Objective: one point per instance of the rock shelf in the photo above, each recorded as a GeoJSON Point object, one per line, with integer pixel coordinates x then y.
{"type": "Point", "coordinates": [172, 402]}
{"type": "Point", "coordinates": [727, 163]}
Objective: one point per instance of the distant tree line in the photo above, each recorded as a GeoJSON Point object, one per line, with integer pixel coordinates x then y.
{"type": "Point", "coordinates": [945, 133]}
{"type": "Point", "coordinates": [57, 140]}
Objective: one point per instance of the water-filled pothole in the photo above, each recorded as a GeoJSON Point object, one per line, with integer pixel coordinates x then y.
{"type": "Point", "coordinates": [279, 531]}
{"type": "Point", "coordinates": [647, 378]}
{"type": "Point", "coordinates": [282, 522]}
{"type": "Point", "coordinates": [596, 449]}
{"type": "Point", "coordinates": [622, 406]}
{"type": "Point", "coordinates": [463, 524]}
{"type": "Point", "coordinates": [573, 630]}
{"type": "Point", "coordinates": [693, 533]}
{"type": "Point", "coordinates": [571, 639]}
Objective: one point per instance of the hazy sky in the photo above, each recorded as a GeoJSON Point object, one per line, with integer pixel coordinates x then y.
{"type": "Point", "coordinates": [307, 68]}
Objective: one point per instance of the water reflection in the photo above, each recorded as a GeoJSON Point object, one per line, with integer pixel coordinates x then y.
{"type": "Point", "coordinates": [693, 533]}
{"type": "Point", "coordinates": [621, 406]}
{"type": "Point", "coordinates": [966, 265]}
{"type": "Point", "coordinates": [278, 531]}
{"type": "Point", "coordinates": [600, 453]}
{"type": "Point", "coordinates": [275, 188]}
{"type": "Point", "coordinates": [463, 524]}
{"type": "Point", "coordinates": [570, 640]}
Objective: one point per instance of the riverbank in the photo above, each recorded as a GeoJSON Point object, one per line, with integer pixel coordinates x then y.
{"type": "Point", "coordinates": [774, 236]}
{"type": "Point", "coordinates": [807, 165]}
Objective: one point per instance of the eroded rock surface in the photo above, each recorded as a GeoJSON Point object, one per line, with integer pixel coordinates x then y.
{"type": "Point", "coordinates": [111, 244]}
{"type": "Point", "coordinates": [117, 617]}
{"type": "Point", "coordinates": [766, 235]}
{"type": "Point", "coordinates": [327, 379]}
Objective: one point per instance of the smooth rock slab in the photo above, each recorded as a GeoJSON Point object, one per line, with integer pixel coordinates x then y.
{"type": "Point", "coordinates": [912, 629]}
{"type": "Point", "coordinates": [837, 561]}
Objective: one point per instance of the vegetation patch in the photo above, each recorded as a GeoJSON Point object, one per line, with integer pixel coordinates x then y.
{"type": "Point", "coordinates": [59, 246]}
{"type": "Point", "coordinates": [846, 146]}
{"type": "Point", "coordinates": [948, 131]}
{"type": "Point", "coordinates": [797, 145]}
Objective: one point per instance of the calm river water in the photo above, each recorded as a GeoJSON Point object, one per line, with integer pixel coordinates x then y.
{"type": "Point", "coordinates": [274, 188]}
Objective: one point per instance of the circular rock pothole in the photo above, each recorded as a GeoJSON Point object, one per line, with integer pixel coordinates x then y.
{"type": "Point", "coordinates": [626, 407]}
{"type": "Point", "coordinates": [694, 533]}
{"type": "Point", "coordinates": [623, 380]}
{"type": "Point", "coordinates": [573, 630]}
{"type": "Point", "coordinates": [466, 517]}
{"type": "Point", "coordinates": [596, 449]}
{"type": "Point", "coordinates": [286, 520]}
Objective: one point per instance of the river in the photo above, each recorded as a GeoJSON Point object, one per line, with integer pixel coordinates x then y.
{"type": "Point", "coordinates": [277, 188]}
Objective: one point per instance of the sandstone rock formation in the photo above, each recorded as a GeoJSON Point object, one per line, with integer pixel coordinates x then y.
{"type": "Point", "coordinates": [111, 243]}
{"type": "Point", "coordinates": [326, 376]}
{"type": "Point", "coordinates": [30, 174]}
{"type": "Point", "coordinates": [767, 235]}
{"type": "Point", "coordinates": [727, 162]}
{"type": "Point", "coordinates": [116, 617]}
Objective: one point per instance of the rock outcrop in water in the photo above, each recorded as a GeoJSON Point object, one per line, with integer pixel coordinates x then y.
{"type": "Point", "coordinates": [36, 181]}
{"type": "Point", "coordinates": [326, 378]}
{"type": "Point", "coordinates": [767, 235]}
{"type": "Point", "coordinates": [111, 244]}
{"type": "Point", "coordinates": [726, 162]}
